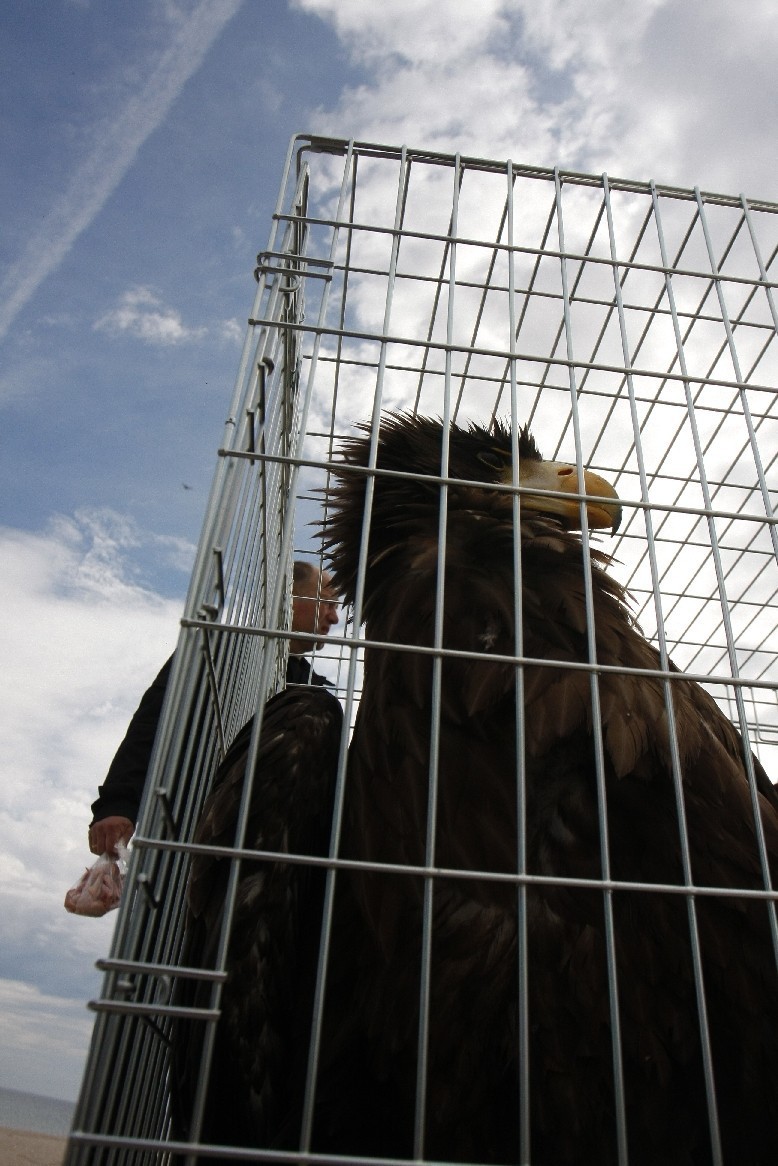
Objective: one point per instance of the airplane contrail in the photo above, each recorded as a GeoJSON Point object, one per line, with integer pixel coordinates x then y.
{"type": "Point", "coordinates": [98, 175]}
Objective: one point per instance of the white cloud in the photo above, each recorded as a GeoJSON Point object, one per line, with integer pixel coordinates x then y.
{"type": "Point", "coordinates": [43, 1040]}
{"type": "Point", "coordinates": [232, 331]}
{"type": "Point", "coordinates": [415, 31]}
{"type": "Point", "coordinates": [585, 34]}
{"type": "Point", "coordinates": [141, 313]}
{"type": "Point", "coordinates": [676, 92]}
{"type": "Point", "coordinates": [116, 141]}
{"type": "Point", "coordinates": [83, 643]}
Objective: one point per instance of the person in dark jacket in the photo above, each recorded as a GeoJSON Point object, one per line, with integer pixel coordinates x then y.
{"type": "Point", "coordinates": [114, 813]}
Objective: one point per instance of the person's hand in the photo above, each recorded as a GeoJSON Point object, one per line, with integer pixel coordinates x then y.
{"type": "Point", "coordinates": [104, 835]}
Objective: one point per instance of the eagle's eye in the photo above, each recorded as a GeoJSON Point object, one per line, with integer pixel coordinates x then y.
{"type": "Point", "coordinates": [494, 458]}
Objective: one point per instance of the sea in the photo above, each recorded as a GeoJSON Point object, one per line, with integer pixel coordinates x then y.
{"type": "Point", "coordinates": [39, 1115]}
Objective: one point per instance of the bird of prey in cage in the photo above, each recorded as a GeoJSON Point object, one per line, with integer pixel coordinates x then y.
{"type": "Point", "coordinates": [531, 981]}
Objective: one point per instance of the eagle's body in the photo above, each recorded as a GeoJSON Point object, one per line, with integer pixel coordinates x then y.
{"type": "Point", "coordinates": [526, 795]}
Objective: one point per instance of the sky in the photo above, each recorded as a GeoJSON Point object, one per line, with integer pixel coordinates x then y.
{"type": "Point", "coordinates": [141, 149]}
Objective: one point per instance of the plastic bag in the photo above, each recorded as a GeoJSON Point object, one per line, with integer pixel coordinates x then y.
{"type": "Point", "coordinates": [99, 889]}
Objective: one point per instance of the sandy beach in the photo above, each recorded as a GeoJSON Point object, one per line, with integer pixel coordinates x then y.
{"type": "Point", "coordinates": [20, 1148]}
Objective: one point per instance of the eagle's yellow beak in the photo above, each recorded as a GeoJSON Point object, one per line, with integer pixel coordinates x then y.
{"type": "Point", "coordinates": [602, 502]}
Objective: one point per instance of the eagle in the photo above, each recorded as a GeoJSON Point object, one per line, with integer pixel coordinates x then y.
{"type": "Point", "coordinates": [549, 932]}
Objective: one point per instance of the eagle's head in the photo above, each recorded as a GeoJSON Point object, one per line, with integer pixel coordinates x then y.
{"type": "Point", "coordinates": [414, 446]}
{"type": "Point", "coordinates": [481, 454]}
{"type": "Point", "coordinates": [410, 459]}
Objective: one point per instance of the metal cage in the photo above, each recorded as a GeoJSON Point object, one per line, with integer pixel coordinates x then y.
{"type": "Point", "coordinates": [632, 326]}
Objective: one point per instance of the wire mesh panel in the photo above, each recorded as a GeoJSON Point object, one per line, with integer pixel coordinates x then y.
{"type": "Point", "coordinates": [531, 827]}
{"type": "Point", "coordinates": [219, 672]}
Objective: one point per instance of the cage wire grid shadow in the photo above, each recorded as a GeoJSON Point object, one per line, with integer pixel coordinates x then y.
{"type": "Point", "coordinates": [632, 327]}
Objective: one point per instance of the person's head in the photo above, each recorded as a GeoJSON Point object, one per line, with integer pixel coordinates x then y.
{"type": "Point", "coordinates": [314, 606]}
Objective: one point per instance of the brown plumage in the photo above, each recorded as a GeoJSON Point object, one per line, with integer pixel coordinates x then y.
{"type": "Point", "coordinates": [486, 801]}
{"type": "Point", "coordinates": [510, 792]}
